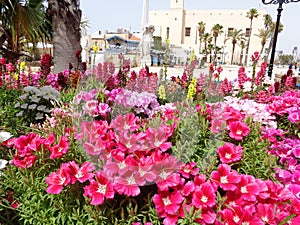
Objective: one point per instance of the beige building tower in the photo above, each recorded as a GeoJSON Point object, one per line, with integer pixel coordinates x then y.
{"type": "Point", "coordinates": [180, 26]}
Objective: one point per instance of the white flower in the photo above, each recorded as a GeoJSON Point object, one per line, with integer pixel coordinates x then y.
{"type": "Point", "coordinates": [4, 136]}
{"type": "Point", "coordinates": [3, 163]}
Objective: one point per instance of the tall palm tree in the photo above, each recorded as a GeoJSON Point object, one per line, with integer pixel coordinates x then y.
{"type": "Point", "coordinates": [235, 36]}
{"type": "Point", "coordinates": [201, 30]}
{"type": "Point", "coordinates": [251, 14]}
{"type": "Point", "coordinates": [267, 21]}
{"type": "Point", "coordinates": [243, 45]}
{"type": "Point", "coordinates": [216, 31]}
{"type": "Point", "coordinates": [272, 30]}
{"type": "Point", "coordinates": [207, 39]}
{"type": "Point", "coordinates": [22, 22]}
{"type": "Point", "coordinates": [264, 35]}
{"type": "Point", "coordinates": [65, 18]}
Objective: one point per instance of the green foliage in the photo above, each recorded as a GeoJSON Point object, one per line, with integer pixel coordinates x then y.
{"type": "Point", "coordinates": [8, 121]}
{"type": "Point", "coordinates": [256, 160]}
{"type": "Point", "coordinates": [285, 59]}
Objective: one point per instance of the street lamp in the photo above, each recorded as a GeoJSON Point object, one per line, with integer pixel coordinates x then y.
{"type": "Point", "coordinates": [279, 10]}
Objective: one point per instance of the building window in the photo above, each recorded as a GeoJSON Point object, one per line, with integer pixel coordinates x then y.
{"type": "Point", "coordinates": [247, 32]}
{"type": "Point", "coordinates": [168, 32]}
{"type": "Point", "coordinates": [187, 31]}
{"type": "Point", "coordinates": [230, 30]}
{"type": "Point", "coordinates": [176, 1]}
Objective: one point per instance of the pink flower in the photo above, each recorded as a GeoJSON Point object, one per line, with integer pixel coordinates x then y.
{"type": "Point", "coordinates": [57, 180]}
{"type": "Point", "coordinates": [127, 122]}
{"type": "Point", "coordinates": [229, 153]}
{"type": "Point", "coordinates": [238, 129]}
{"type": "Point", "coordinates": [82, 173]}
{"type": "Point", "coordinates": [204, 196]}
{"type": "Point", "coordinates": [26, 161]}
{"type": "Point", "coordinates": [217, 125]}
{"type": "Point", "coordinates": [99, 189]}
{"type": "Point", "coordinates": [60, 149]}
{"type": "Point", "coordinates": [158, 137]}
{"type": "Point", "coordinates": [226, 178]}
{"type": "Point", "coordinates": [294, 117]}
{"type": "Point", "coordinates": [248, 187]}
{"type": "Point", "coordinates": [128, 184]}
{"type": "Point", "coordinates": [188, 169]}
{"type": "Point", "coordinates": [255, 57]}
{"type": "Point", "coordinates": [266, 213]}
{"type": "Point", "coordinates": [166, 202]}
{"type": "Point", "coordinates": [103, 109]}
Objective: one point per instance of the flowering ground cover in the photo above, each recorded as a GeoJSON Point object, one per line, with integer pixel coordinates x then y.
{"type": "Point", "coordinates": [113, 146]}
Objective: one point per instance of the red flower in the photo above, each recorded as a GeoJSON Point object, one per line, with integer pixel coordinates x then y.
{"type": "Point", "coordinates": [238, 129]}
{"type": "Point", "coordinates": [226, 178]}
{"type": "Point", "coordinates": [229, 153]}
{"type": "Point", "coordinates": [99, 189]}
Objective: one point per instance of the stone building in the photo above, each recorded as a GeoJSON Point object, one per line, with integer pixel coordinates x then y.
{"type": "Point", "coordinates": [180, 26]}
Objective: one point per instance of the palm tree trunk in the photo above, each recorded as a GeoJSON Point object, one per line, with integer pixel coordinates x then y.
{"type": "Point", "coordinates": [233, 48]}
{"type": "Point", "coordinates": [66, 19]}
{"type": "Point", "coordinates": [215, 50]}
{"type": "Point", "coordinates": [248, 44]}
{"type": "Point", "coordinates": [262, 49]}
{"type": "Point", "coordinates": [241, 56]}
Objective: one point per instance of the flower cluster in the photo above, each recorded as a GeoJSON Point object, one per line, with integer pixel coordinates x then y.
{"type": "Point", "coordinates": [36, 103]}
{"type": "Point", "coordinates": [28, 146]}
{"type": "Point", "coordinates": [141, 103]}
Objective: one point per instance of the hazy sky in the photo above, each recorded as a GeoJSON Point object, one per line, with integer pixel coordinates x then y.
{"type": "Point", "coordinates": [127, 14]}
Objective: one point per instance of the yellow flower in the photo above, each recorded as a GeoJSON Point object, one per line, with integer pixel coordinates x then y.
{"type": "Point", "coordinates": [22, 65]}
{"type": "Point", "coordinates": [192, 89]}
{"type": "Point", "coordinates": [162, 92]}
{"type": "Point", "coordinates": [16, 76]}
{"type": "Point", "coordinates": [168, 41]}
{"type": "Point", "coordinates": [95, 48]}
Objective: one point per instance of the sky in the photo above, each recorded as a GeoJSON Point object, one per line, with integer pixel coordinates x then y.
{"type": "Point", "coordinates": [113, 14]}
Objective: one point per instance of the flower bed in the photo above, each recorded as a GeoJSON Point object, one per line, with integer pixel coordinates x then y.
{"type": "Point", "coordinates": [128, 148]}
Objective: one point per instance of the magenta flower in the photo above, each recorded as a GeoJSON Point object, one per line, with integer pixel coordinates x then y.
{"type": "Point", "coordinates": [99, 189]}
{"type": "Point", "coordinates": [57, 180]}
{"type": "Point", "coordinates": [60, 149]}
{"type": "Point", "coordinates": [82, 173]}
{"type": "Point", "coordinates": [229, 153]}
{"type": "Point", "coordinates": [248, 188]}
{"type": "Point", "coordinates": [238, 130]}
{"type": "Point", "coordinates": [204, 196]}
{"type": "Point", "coordinates": [26, 161]}
{"type": "Point", "coordinates": [266, 213]}
{"type": "Point", "coordinates": [255, 57]}
{"type": "Point", "coordinates": [166, 202]}
{"type": "Point", "coordinates": [226, 178]}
